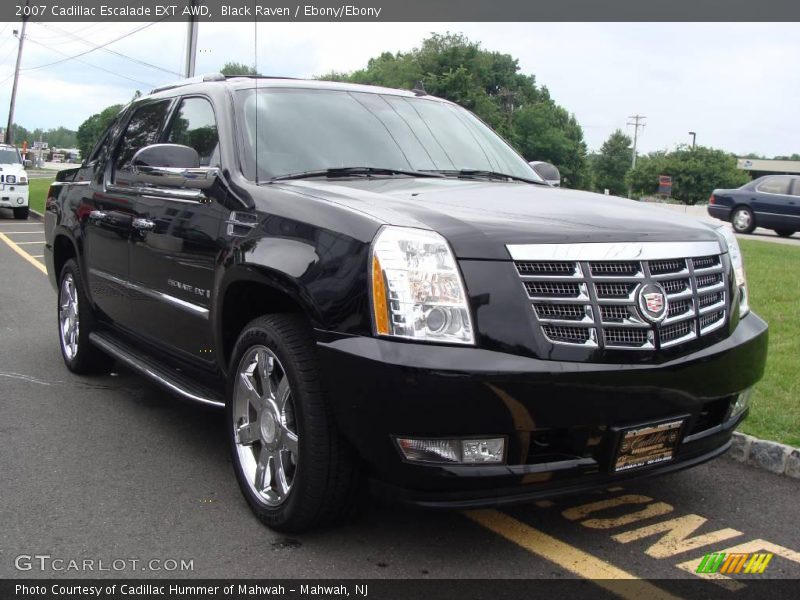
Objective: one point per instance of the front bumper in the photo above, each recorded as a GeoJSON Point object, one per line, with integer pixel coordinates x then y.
{"type": "Point", "coordinates": [13, 196]}
{"type": "Point", "coordinates": [558, 417]}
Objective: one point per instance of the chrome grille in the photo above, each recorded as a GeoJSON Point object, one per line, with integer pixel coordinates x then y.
{"type": "Point", "coordinates": [553, 268]}
{"type": "Point", "coordinates": [562, 312]}
{"type": "Point", "coordinates": [552, 289]}
{"type": "Point", "coordinates": [568, 335]}
{"type": "Point", "coordinates": [587, 294]}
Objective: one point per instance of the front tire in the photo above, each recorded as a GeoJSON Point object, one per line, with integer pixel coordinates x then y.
{"type": "Point", "coordinates": [75, 322]}
{"type": "Point", "coordinates": [21, 213]}
{"type": "Point", "coordinates": [292, 464]}
{"type": "Point", "coordinates": [743, 220]}
{"type": "Point", "coordinates": [785, 232]}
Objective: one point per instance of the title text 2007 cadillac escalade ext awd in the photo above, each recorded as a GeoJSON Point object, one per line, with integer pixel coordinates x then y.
{"type": "Point", "coordinates": [377, 288]}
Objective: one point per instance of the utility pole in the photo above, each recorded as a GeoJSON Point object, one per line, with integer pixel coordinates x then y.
{"type": "Point", "coordinates": [638, 121]}
{"type": "Point", "coordinates": [694, 138]}
{"type": "Point", "coordinates": [9, 130]}
{"type": "Point", "coordinates": [191, 42]}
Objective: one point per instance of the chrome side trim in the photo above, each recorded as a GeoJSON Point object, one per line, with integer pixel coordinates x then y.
{"type": "Point", "coordinates": [194, 309]}
{"type": "Point", "coordinates": [613, 251]}
{"type": "Point", "coordinates": [161, 378]}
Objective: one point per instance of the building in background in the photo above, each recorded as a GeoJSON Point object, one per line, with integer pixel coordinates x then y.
{"type": "Point", "coordinates": [758, 167]}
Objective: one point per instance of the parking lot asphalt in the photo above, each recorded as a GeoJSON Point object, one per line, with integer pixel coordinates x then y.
{"type": "Point", "coordinates": [111, 467]}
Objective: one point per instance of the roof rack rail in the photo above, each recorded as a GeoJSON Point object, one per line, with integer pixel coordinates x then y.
{"type": "Point", "coordinates": [262, 77]}
{"type": "Point", "coordinates": [189, 81]}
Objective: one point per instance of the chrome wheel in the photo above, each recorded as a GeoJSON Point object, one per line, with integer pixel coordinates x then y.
{"type": "Point", "coordinates": [264, 424]}
{"type": "Point", "coordinates": [68, 317]}
{"type": "Point", "coordinates": [742, 219]}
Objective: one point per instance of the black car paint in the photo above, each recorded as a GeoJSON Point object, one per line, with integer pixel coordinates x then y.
{"type": "Point", "coordinates": [772, 211]}
{"type": "Point", "coordinates": [310, 247]}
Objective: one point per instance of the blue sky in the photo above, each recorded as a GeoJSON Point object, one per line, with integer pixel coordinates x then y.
{"type": "Point", "coordinates": [736, 85]}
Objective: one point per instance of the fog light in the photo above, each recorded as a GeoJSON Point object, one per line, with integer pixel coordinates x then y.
{"type": "Point", "coordinates": [742, 402]}
{"type": "Point", "coordinates": [456, 451]}
{"type": "Point", "coordinates": [20, 200]}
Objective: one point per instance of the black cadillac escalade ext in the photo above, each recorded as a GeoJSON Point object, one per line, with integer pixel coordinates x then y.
{"type": "Point", "coordinates": [377, 288]}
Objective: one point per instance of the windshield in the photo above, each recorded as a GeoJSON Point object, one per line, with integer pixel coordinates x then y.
{"type": "Point", "coordinates": [287, 131]}
{"type": "Point", "coordinates": [9, 157]}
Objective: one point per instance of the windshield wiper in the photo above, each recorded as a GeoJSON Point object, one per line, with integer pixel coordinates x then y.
{"type": "Point", "coordinates": [482, 174]}
{"type": "Point", "coordinates": [354, 171]}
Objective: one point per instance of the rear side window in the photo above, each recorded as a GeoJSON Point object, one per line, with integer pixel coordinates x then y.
{"type": "Point", "coordinates": [775, 185]}
{"type": "Point", "coordinates": [194, 125]}
{"type": "Point", "coordinates": [142, 130]}
{"type": "Point", "coordinates": [796, 187]}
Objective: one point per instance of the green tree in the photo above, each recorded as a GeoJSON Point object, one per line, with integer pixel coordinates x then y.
{"type": "Point", "coordinates": [695, 172]}
{"type": "Point", "coordinates": [613, 163]}
{"type": "Point", "coordinates": [93, 127]}
{"type": "Point", "coordinates": [235, 68]}
{"type": "Point", "coordinates": [491, 85]}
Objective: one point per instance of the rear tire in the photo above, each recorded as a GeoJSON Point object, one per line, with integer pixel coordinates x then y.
{"type": "Point", "coordinates": [743, 220]}
{"type": "Point", "coordinates": [75, 322]}
{"type": "Point", "coordinates": [293, 466]}
{"type": "Point", "coordinates": [785, 232]}
{"type": "Point", "coordinates": [21, 213]}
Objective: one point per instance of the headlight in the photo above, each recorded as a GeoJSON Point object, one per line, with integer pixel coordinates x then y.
{"type": "Point", "coordinates": [417, 290]}
{"type": "Point", "coordinates": [11, 179]}
{"type": "Point", "coordinates": [737, 261]}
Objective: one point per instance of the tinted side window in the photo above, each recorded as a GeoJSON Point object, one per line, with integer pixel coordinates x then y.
{"type": "Point", "coordinates": [101, 147]}
{"type": "Point", "coordinates": [142, 130]}
{"type": "Point", "coordinates": [194, 126]}
{"type": "Point", "coordinates": [796, 187]}
{"type": "Point", "coordinates": [775, 185]}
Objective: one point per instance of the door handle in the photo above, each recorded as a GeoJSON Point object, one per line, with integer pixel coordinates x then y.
{"type": "Point", "coordinates": [143, 224]}
{"type": "Point", "coordinates": [98, 215]}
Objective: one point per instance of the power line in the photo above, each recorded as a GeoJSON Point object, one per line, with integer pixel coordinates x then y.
{"type": "Point", "coordinates": [114, 52]}
{"type": "Point", "coordinates": [138, 29]}
{"type": "Point", "coordinates": [83, 62]}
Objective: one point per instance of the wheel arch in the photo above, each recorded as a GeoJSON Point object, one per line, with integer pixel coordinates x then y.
{"type": "Point", "coordinates": [250, 291]}
{"type": "Point", "coordinates": [64, 248]}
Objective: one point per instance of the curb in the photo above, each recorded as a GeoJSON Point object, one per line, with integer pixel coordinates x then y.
{"type": "Point", "coordinates": [764, 454]}
{"type": "Point", "coordinates": [36, 214]}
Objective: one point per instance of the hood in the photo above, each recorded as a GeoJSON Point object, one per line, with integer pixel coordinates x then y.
{"type": "Point", "coordinates": [479, 218]}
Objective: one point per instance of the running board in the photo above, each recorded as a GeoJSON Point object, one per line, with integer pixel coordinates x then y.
{"type": "Point", "coordinates": [168, 379]}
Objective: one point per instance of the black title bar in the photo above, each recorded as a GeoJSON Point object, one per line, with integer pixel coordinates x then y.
{"type": "Point", "coordinates": [405, 10]}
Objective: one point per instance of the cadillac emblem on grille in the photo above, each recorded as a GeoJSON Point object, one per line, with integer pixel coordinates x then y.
{"type": "Point", "coordinates": [653, 302]}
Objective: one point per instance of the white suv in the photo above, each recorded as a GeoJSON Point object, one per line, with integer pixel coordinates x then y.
{"type": "Point", "coordinates": [13, 182]}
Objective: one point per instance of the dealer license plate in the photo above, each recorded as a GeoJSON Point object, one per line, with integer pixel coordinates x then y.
{"type": "Point", "coordinates": [647, 445]}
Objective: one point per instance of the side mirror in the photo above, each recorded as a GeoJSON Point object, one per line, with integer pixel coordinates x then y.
{"type": "Point", "coordinates": [26, 163]}
{"type": "Point", "coordinates": [547, 172]}
{"type": "Point", "coordinates": [171, 166]}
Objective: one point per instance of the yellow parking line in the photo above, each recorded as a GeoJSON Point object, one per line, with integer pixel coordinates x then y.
{"type": "Point", "coordinates": [568, 557]}
{"type": "Point", "coordinates": [22, 253]}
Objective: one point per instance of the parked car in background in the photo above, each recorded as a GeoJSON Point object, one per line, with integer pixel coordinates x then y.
{"type": "Point", "coordinates": [13, 182]}
{"type": "Point", "coordinates": [772, 202]}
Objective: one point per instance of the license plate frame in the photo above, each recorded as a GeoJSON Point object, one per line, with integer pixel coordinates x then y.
{"type": "Point", "coordinates": [647, 445]}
